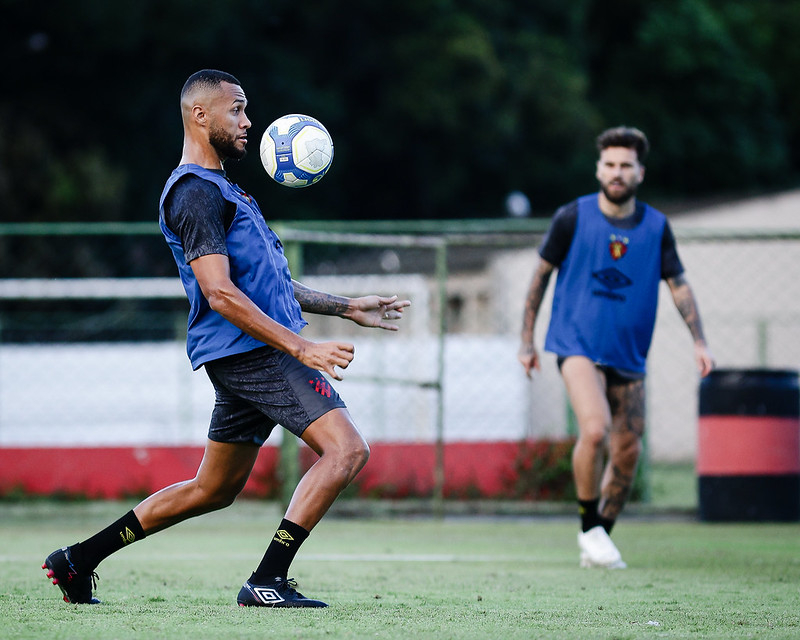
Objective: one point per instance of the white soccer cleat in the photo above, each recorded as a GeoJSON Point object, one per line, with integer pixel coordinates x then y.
{"type": "Point", "coordinates": [597, 550]}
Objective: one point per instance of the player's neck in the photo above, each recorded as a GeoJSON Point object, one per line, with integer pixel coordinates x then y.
{"type": "Point", "coordinates": [201, 154]}
{"type": "Point", "coordinates": [614, 210]}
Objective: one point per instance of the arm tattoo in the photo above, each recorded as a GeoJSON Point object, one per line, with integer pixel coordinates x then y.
{"type": "Point", "coordinates": [687, 306]}
{"type": "Point", "coordinates": [536, 291]}
{"type": "Point", "coordinates": [325, 304]}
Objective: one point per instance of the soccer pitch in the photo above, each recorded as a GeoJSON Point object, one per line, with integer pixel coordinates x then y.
{"type": "Point", "coordinates": [458, 577]}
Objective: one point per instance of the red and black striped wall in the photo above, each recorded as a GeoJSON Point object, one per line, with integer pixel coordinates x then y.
{"type": "Point", "coordinates": [748, 453]}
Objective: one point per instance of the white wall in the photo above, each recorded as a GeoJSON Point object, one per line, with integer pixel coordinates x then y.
{"type": "Point", "coordinates": [123, 394]}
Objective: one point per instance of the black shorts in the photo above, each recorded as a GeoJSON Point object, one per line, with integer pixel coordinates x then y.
{"type": "Point", "coordinates": [614, 375]}
{"type": "Point", "coordinates": [264, 387]}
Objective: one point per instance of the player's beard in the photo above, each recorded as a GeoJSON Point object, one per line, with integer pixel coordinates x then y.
{"type": "Point", "coordinates": [622, 197]}
{"type": "Point", "coordinates": [225, 144]}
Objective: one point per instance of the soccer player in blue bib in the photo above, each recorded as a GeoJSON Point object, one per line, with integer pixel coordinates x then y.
{"type": "Point", "coordinates": [611, 252]}
{"type": "Point", "coordinates": [244, 329]}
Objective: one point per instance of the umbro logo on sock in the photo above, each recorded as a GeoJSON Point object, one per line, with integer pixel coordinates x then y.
{"type": "Point", "coordinates": [281, 535]}
{"type": "Point", "coordinates": [127, 536]}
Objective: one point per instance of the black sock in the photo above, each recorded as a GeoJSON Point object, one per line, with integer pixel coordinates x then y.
{"type": "Point", "coordinates": [588, 512]}
{"type": "Point", "coordinates": [280, 553]}
{"type": "Point", "coordinates": [606, 523]}
{"type": "Point", "coordinates": [89, 553]}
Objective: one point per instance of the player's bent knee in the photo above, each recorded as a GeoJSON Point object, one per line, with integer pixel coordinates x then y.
{"type": "Point", "coordinates": [363, 455]}
{"type": "Point", "coordinates": [348, 463]}
{"type": "Point", "coordinates": [356, 457]}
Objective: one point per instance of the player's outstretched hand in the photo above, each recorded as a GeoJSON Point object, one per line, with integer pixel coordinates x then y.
{"type": "Point", "coordinates": [377, 311]}
{"type": "Point", "coordinates": [326, 356]}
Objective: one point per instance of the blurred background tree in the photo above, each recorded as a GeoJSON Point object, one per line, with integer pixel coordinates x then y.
{"type": "Point", "coordinates": [438, 109]}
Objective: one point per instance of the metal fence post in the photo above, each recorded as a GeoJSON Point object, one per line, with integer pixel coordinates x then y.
{"type": "Point", "coordinates": [439, 475]}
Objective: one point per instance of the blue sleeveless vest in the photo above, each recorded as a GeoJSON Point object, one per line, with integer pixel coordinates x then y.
{"type": "Point", "coordinates": [258, 268]}
{"type": "Point", "coordinates": [606, 295]}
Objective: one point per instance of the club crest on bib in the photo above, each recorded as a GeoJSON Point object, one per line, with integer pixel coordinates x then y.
{"type": "Point", "coordinates": [618, 246]}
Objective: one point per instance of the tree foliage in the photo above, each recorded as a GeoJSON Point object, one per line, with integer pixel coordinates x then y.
{"type": "Point", "coordinates": [437, 108]}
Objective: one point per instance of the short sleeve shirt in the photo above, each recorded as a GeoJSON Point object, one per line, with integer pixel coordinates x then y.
{"type": "Point", "coordinates": [199, 215]}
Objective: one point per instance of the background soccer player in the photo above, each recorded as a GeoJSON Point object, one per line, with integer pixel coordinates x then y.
{"type": "Point", "coordinates": [611, 252]}
{"type": "Point", "coordinates": [244, 328]}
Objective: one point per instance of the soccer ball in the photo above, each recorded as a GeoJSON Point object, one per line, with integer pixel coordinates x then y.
{"type": "Point", "coordinates": [296, 150]}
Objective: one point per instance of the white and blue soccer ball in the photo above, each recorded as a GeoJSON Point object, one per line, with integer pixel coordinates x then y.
{"type": "Point", "coordinates": [296, 150]}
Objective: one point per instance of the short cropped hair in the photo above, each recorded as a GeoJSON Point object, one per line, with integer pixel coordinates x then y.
{"type": "Point", "coordinates": [207, 79]}
{"type": "Point", "coordinates": [628, 137]}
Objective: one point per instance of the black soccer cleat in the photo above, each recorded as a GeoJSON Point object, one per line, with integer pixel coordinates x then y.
{"type": "Point", "coordinates": [279, 593]}
{"type": "Point", "coordinates": [74, 584]}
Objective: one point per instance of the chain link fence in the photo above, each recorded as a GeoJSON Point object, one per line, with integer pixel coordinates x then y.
{"type": "Point", "coordinates": [89, 361]}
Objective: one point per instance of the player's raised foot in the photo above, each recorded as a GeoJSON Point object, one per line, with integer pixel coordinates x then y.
{"type": "Point", "coordinates": [76, 585]}
{"type": "Point", "coordinates": [597, 550]}
{"type": "Point", "coordinates": [279, 593]}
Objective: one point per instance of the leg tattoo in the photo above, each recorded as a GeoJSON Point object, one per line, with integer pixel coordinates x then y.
{"type": "Point", "coordinates": [627, 402]}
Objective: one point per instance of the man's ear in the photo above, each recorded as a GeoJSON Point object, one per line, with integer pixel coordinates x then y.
{"type": "Point", "coordinates": [199, 115]}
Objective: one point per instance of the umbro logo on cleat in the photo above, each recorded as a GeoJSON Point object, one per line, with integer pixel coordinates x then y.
{"type": "Point", "coordinates": [266, 595]}
{"type": "Point", "coordinates": [281, 593]}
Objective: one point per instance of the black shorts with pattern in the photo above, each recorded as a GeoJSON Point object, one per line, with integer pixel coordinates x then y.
{"type": "Point", "coordinates": [261, 388]}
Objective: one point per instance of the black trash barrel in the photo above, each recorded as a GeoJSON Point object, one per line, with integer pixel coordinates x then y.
{"type": "Point", "coordinates": [748, 451]}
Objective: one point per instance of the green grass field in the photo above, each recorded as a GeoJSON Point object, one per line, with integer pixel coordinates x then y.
{"type": "Point", "coordinates": [460, 577]}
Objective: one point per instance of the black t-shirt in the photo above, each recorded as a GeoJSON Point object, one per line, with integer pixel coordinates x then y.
{"type": "Point", "coordinates": [556, 243]}
{"type": "Point", "coordinates": [198, 214]}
